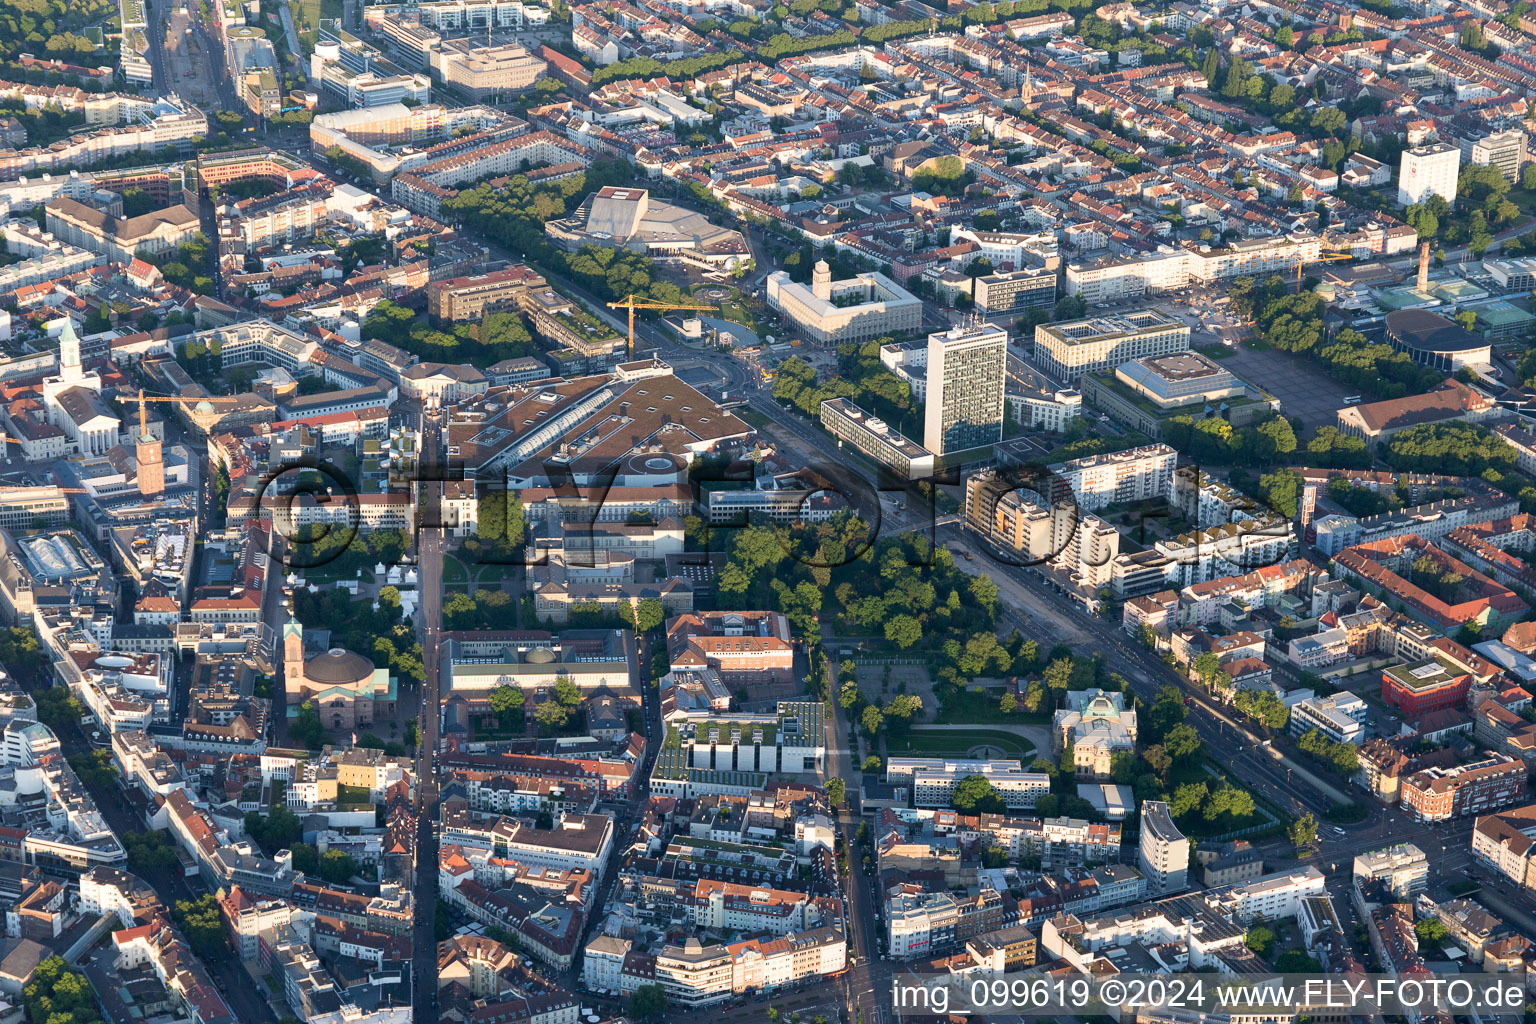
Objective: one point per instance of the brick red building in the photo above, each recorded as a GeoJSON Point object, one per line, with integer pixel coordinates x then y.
{"type": "Point", "coordinates": [1438, 794]}
{"type": "Point", "coordinates": [1424, 686]}
{"type": "Point", "coordinates": [746, 648]}
{"type": "Point", "coordinates": [1384, 567]}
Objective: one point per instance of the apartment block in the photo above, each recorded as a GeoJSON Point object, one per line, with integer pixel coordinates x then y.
{"type": "Point", "coordinates": [1135, 475]}
{"type": "Point", "coordinates": [933, 779]}
{"type": "Point", "coordinates": [1506, 842]}
{"type": "Point", "coordinates": [1340, 716]}
{"type": "Point", "coordinates": [1162, 852]}
{"type": "Point", "coordinates": [1439, 794]}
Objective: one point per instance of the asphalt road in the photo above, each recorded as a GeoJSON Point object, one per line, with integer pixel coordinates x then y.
{"type": "Point", "coordinates": [1147, 673]}
{"type": "Point", "coordinates": [218, 69]}
{"type": "Point", "coordinates": [430, 545]}
{"type": "Point", "coordinates": [868, 978]}
{"type": "Point", "coordinates": [159, 16]}
{"type": "Point", "coordinates": [624, 820]}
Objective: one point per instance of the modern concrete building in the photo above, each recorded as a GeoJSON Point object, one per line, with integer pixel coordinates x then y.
{"type": "Point", "coordinates": [1162, 852]}
{"type": "Point", "coordinates": [966, 378]}
{"type": "Point", "coordinates": [876, 439]}
{"type": "Point", "coordinates": [1403, 868]}
{"type": "Point", "coordinates": [1339, 716]}
{"type": "Point", "coordinates": [481, 72]}
{"type": "Point", "coordinates": [1016, 292]}
{"type": "Point", "coordinates": [361, 76]}
{"type": "Point", "coordinates": [632, 218]}
{"type": "Point", "coordinates": [1184, 378]}
{"type": "Point", "coordinates": [475, 664]}
{"type": "Point", "coordinates": [1011, 520]}
{"type": "Point", "coordinates": [1505, 150]}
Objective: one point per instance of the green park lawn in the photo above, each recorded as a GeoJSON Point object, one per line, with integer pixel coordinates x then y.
{"type": "Point", "coordinates": [950, 743]}
{"type": "Point", "coordinates": [979, 707]}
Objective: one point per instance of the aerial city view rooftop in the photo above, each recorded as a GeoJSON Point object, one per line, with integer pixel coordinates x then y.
{"type": "Point", "coordinates": [767, 512]}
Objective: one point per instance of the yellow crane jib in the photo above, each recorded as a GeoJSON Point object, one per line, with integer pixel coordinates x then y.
{"type": "Point", "coordinates": [1322, 257]}
{"type": "Point", "coordinates": [632, 303]}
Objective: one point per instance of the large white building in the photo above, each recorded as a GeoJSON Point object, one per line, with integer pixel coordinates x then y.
{"type": "Point", "coordinates": [1098, 343]}
{"type": "Point", "coordinates": [858, 308]}
{"type": "Point", "coordinates": [578, 842]}
{"type": "Point", "coordinates": [1113, 278]}
{"type": "Point", "coordinates": [1162, 852]}
{"type": "Point", "coordinates": [1272, 897]}
{"type": "Point", "coordinates": [1428, 170]}
{"type": "Point", "coordinates": [966, 377]}
{"type": "Point", "coordinates": [876, 439]}
{"type": "Point", "coordinates": [933, 779]}
{"type": "Point", "coordinates": [1170, 268]}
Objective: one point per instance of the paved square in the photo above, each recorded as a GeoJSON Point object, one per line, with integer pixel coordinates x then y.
{"type": "Point", "coordinates": [1303, 388]}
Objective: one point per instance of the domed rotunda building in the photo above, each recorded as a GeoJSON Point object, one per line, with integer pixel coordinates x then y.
{"type": "Point", "coordinates": [346, 689]}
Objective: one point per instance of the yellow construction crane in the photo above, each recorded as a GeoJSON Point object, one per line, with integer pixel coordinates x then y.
{"type": "Point", "coordinates": [1322, 257]}
{"type": "Point", "coordinates": [143, 401]}
{"type": "Point", "coordinates": [633, 304]}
